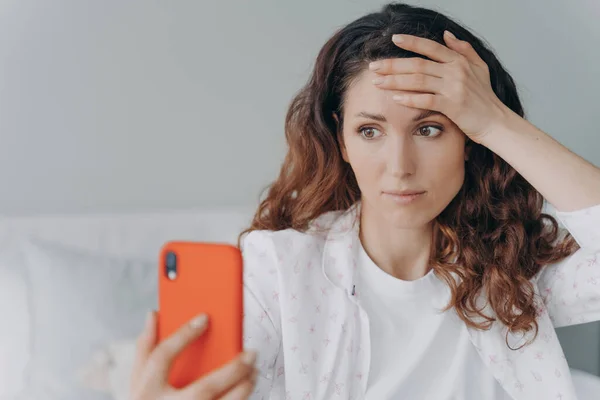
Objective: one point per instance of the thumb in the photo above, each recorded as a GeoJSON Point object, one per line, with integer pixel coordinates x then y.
{"type": "Point", "coordinates": [451, 40]}
{"type": "Point", "coordinates": [146, 342]}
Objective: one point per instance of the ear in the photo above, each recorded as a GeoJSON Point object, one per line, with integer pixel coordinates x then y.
{"type": "Point", "coordinates": [340, 137]}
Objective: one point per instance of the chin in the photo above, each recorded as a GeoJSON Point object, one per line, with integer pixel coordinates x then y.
{"type": "Point", "coordinates": [402, 216]}
{"type": "Point", "coordinates": [406, 217]}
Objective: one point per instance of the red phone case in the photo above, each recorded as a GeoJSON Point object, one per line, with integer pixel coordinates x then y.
{"type": "Point", "coordinates": [209, 280]}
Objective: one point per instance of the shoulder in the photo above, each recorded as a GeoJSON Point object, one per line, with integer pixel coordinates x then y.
{"type": "Point", "coordinates": [267, 253]}
{"type": "Point", "coordinates": [275, 242]}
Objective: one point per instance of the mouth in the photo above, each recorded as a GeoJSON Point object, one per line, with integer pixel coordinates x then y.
{"type": "Point", "coordinates": [404, 192]}
{"type": "Point", "coordinates": [405, 196]}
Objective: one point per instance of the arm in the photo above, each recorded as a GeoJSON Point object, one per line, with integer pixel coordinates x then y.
{"type": "Point", "coordinates": [570, 288]}
{"type": "Point", "coordinates": [563, 178]}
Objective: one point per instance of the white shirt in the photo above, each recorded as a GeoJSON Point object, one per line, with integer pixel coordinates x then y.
{"type": "Point", "coordinates": [418, 351]}
{"type": "Point", "coordinates": [313, 335]}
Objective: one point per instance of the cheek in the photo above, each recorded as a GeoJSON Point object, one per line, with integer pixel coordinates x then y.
{"type": "Point", "coordinates": [366, 162]}
{"type": "Point", "coordinates": [448, 175]}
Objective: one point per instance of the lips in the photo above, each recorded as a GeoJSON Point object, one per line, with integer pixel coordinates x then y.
{"type": "Point", "coordinates": [404, 192]}
{"type": "Point", "coordinates": [404, 197]}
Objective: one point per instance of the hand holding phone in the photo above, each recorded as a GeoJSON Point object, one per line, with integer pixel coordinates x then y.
{"type": "Point", "coordinates": [235, 380]}
{"type": "Point", "coordinates": [201, 278]}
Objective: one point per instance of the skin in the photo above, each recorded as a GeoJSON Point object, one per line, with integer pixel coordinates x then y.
{"type": "Point", "coordinates": [399, 154]}
{"type": "Point", "coordinates": [149, 378]}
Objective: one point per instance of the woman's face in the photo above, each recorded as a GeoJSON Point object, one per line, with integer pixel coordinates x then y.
{"type": "Point", "coordinates": [391, 149]}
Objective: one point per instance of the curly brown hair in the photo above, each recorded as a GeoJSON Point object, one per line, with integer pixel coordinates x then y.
{"type": "Point", "coordinates": [493, 235]}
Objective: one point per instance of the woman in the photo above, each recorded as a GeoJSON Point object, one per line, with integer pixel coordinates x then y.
{"type": "Point", "coordinates": [403, 251]}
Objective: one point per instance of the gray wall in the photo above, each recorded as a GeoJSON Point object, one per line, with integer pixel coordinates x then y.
{"type": "Point", "coordinates": [126, 105]}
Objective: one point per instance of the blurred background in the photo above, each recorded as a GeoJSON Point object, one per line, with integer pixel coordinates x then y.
{"type": "Point", "coordinates": [119, 108]}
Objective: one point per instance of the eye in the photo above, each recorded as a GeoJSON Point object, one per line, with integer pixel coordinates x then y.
{"type": "Point", "coordinates": [369, 132]}
{"type": "Point", "coordinates": [426, 131]}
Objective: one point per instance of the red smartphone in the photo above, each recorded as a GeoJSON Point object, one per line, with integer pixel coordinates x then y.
{"type": "Point", "coordinates": [197, 278]}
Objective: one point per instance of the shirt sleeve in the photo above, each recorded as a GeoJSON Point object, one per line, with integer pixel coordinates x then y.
{"type": "Point", "coordinates": [262, 331]}
{"type": "Point", "coordinates": [570, 288]}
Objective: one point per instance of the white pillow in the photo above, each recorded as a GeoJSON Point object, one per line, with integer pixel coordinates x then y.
{"type": "Point", "coordinates": [82, 306]}
{"type": "Point", "coordinates": [14, 317]}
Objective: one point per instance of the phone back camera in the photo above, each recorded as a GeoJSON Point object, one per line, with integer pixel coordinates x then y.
{"type": "Point", "coordinates": [171, 265]}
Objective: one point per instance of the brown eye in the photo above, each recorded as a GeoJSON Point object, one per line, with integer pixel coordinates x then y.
{"type": "Point", "coordinates": [426, 131]}
{"type": "Point", "coordinates": [369, 132]}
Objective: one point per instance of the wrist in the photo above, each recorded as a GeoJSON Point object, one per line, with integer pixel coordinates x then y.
{"type": "Point", "coordinates": [506, 122]}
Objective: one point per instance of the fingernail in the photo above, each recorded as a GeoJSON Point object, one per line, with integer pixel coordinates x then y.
{"type": "Point", "coordinates": [199, 321]}
{"type": "Point", "coordinates": [378, 81]}
{"type": "Point", "coordinates": [397, 38]}
{"type": "Point", "coordinates": [450, 34]}
{"type": "Point", "coordinates": [374, 66]}
{"type": "Point", "coordinates": [249, 357]}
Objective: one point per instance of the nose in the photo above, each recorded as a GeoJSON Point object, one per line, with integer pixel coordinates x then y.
{"type": "Point", "coordinates": [401, 156]}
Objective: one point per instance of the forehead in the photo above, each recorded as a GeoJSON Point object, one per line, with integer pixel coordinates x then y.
{"type": "Point", "coordinates": [363, 95]}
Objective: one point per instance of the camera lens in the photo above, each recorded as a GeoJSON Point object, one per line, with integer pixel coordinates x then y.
{"type": "Point", "coordinates": [171, 260]}
{"type": "Point", "coordinates": [171, 265]}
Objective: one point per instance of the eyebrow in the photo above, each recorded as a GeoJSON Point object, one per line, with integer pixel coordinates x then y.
{"type": "Point", "coordinates": [381, 118]}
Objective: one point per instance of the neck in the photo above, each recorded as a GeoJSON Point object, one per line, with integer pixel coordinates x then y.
{"type": "Point", "coordinates": [401, 252]}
